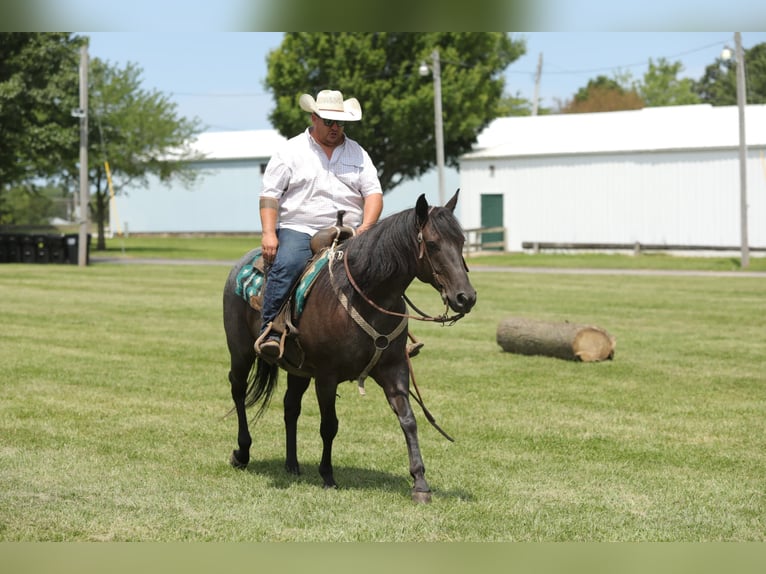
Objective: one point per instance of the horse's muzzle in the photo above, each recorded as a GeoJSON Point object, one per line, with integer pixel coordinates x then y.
{"type": "Point", "coordinates": [462, 301]}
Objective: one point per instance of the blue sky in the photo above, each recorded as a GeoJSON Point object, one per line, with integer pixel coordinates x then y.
{"type": "Point", "coordinates": [218, 76]}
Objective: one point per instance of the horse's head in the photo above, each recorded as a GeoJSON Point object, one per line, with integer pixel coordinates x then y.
{"type": "Point", "coordinates": [440, 258]}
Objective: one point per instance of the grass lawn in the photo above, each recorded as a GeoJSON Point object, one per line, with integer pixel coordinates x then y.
{"type": "Point", "coordinates": [113, 428]}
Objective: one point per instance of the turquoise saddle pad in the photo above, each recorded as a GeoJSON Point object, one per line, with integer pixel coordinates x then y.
{"type": "Point", "coordinates": [250, 280]}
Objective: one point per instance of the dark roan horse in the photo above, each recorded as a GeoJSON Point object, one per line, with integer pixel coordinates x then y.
{"type": "Point", "coordinates": [424, 242]}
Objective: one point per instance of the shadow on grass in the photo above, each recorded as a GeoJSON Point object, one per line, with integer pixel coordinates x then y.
{"type": "Point", "coordinates": [347, 477]}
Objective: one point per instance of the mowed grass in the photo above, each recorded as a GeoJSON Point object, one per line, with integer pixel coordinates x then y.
{"type": "Point", "coordinates": [112, 421]}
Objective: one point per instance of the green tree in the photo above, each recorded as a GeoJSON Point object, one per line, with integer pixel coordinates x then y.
{"type": "Point", "coordinates": [381, 70]}
{"type": "Point", "coordinates": [38, 79]}
{"type": "Point", "coordinates": [28, 205]}
{"type": "Point", "coordinates": [661, 85]}
{"type": "Point", "coordinates": [518, 106]}
{"type": "Point", "coordinates": [718, 86]}
{"type": "Point", "coordinates": [604, 94]}
{"type": "Point", "coordinates": [137, 131]}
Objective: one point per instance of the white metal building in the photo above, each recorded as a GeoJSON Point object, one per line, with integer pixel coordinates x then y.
{"type": "Point", "coordinates": [666, 175]}
{"type": "Point", "coordinates": [225, 198]}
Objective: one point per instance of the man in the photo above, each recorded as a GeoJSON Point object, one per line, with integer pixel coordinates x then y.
{"type": "Point", "coordinates": [316, 174]}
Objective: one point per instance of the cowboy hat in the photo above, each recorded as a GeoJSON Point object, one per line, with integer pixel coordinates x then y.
{"type": "Point", "coordinates": [330, 105]}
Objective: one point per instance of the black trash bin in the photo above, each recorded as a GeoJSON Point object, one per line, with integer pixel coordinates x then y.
{"type": "Point", "coordinates": [56, 248]}
{"type": "Point", "coordinates": [42, 249]}
{"type": "Point", "coordinates": [72, 246]}
{"type": "Point", "coordinates": [28, 249]}
{"type": "Point", "coordinates": [12, 248]}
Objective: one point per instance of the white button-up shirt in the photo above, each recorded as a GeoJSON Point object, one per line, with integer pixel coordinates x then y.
{"type": "Point", "coordinates": [311, 188]}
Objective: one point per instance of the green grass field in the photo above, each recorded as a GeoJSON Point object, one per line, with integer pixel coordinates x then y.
{"type": "Point", "coordinates": [112, 421]}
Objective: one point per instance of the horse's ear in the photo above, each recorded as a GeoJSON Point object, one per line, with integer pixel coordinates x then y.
{"type": "Point", "coordinates": [453, 201]}
{"type": "Point", "coordinates": [421, 209]}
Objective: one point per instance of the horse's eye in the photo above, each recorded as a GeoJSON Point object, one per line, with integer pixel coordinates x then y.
{"type": "Point", "coordinates": [432, 246]}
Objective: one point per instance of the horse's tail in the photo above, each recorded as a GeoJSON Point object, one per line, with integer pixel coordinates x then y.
{"type": "Point", "coordinates": [263, 381]}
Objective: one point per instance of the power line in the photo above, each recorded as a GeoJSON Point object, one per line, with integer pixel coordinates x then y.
{"type": "Point", "coordinates": [618, 67]}
{"type": "Point", "coordinates": [221, 95]}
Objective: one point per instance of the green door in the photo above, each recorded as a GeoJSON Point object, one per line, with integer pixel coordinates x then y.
{"type": "Point", "coordinates": [492, 216]}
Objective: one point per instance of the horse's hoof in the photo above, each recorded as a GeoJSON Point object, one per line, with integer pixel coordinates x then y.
{"type": "Point", "coordinates": [332, 486]}
{"type": "Point", "coordinates": [293, 469]}
{"type": "Point", "coordinates": [235, 462]}
{"type": "Point", "coordinates": [421, 497]}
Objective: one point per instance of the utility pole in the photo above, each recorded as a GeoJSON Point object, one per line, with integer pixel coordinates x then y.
{"type": "Point", "coordinates": [436, 72]}
{"type": "Point", "coordinates": [82, 247]}
{"type": "Point", "coordinates": [741, 103]}
{"type": "Point", "coordinates": [438, 122]}
{"type": "Point", "coordinates": [538, 75]}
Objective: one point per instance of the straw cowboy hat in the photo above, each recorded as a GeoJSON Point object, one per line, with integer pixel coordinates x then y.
{"type": "Point", "coordinates": [330, 105]}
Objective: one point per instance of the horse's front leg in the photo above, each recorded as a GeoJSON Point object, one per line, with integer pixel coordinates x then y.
{"type": "Point", "coordinates": [296, 386]}
{"type": "Point", "coordinates": [328, 427]}
{"type": "Point", "coordinates": [396, 384]}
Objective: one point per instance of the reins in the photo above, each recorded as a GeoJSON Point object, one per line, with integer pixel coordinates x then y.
{"type": "Point", "coordinates": [419, 400]}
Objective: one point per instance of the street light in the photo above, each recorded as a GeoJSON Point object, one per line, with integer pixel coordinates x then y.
{"type": "Point", "coordinates": [438, 125]}
{"type": "Point", "coordinates": [739, 59]}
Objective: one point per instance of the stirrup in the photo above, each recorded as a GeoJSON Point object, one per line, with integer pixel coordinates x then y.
{"type": "Point", "coordinates": [267, 334]}
{"type": "Point", "coordinates": [413, 349]}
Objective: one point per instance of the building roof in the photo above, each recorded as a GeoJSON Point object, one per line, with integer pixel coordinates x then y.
{"type": "Point", "coordinates": [649, 129]}
{"type": "Point", "coordinates": [247, 144]}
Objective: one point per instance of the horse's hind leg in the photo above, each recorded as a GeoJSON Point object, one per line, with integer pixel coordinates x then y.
{"type": "Point", "coordinates": [397, 393]}
{"type": "Point", "coordinates": [296, 386]}
{"type": "Point", "coordinates": [239, 322]}
{"type": "Point", "coordinates": [238, 379]}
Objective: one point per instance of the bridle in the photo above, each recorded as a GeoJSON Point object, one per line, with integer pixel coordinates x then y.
{"type": "Point", "coordinates": [422, 254]}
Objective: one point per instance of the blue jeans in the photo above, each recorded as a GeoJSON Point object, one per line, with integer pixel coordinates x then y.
{"type": "Point", "coordinates": [293, 253]}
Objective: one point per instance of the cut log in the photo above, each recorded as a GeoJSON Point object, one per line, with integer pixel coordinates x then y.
{"type": "Point", "coordinates": [563, 340]}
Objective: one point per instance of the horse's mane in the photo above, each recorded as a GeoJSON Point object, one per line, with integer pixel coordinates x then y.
{"type": "Point", "coordinates": [390, 247]}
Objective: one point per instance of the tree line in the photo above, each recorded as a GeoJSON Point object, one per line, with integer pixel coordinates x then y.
{"type": "Point", "coordinates": [141, 134]}
{"type": "Point", "coordinates": [662, 86]}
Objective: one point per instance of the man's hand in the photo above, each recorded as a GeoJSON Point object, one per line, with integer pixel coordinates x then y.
{"type": "Point", "coordinates": [269, 245]}
{"type": "Point", "coordinates": [269, 241]}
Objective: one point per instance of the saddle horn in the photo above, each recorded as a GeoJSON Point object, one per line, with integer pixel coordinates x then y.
{"type": "Point", "coordinates": [327, 237]}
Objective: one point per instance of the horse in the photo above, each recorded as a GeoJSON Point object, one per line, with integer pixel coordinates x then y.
{"type": "Point", "coordinates": [353, 323]}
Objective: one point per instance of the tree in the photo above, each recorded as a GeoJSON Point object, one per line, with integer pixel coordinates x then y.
{"type": "Point", "coordinates": [137, 131]}
{"type": "Point", "coordinates": [718, 86]}
{"type": "Point", "coordinates": [38, 79]}
{"type": "Point", "coordinates": [603, 95]}
{"type": "Point", "coordinates": [662, 87]}
{"type": "Point", "coordinates": [28, 205]}
{"type": "Point", "coordinates": [516, 105]}
{"type": "Point", "coordinates": [381, 70]}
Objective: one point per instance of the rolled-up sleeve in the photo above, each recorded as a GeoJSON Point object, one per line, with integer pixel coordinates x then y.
{"type": "Point", "coordinates": [369, 184]}
{"type": "Point", "coordinates": [276, 177]}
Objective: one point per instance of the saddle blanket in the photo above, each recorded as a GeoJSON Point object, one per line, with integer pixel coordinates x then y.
{"type": "Point", "coordinates": [251, 280]}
